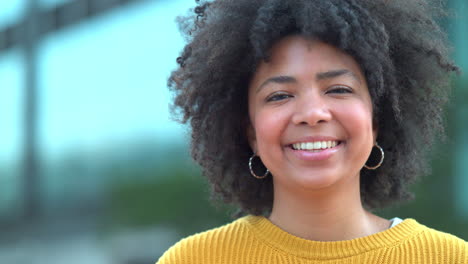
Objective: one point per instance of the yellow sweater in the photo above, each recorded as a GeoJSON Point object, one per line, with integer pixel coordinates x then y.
{"type": "Point", "coordinates": [254, 239]}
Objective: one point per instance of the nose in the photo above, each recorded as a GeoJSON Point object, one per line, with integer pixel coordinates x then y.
{"type": "Point", "coordinates": [311, 110]}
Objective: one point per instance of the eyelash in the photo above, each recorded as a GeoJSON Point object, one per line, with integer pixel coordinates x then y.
{"type": "Point", "coordinates": [341, 89]}
{"type": "Point", "coordinates": [335, 89]}
{"type": "Point", "coordinates": [275, 97]}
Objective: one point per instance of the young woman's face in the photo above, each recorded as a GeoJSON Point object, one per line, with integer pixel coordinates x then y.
{"type": "Point", "coordinates": [311, 115]}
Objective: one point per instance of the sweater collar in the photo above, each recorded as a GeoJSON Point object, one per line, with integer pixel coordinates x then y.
{"type": "Point", "coordinates": [279, 239]}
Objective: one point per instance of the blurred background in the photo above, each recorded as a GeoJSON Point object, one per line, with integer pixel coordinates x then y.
{"type": "Point", "coordinates": [93, 170]}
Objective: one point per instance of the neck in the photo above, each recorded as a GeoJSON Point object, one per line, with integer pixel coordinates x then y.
{"type": "Point", "coordinates": [324, 215]}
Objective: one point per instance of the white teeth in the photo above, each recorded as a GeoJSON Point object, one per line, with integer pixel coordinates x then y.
{"type": "Point", "coordinates": [314, 145]}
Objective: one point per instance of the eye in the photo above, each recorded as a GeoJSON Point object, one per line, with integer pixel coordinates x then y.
{"type": "Point", "coordinates": [278, 97]}
{"type": "Point", "coordinates": [340, 90]}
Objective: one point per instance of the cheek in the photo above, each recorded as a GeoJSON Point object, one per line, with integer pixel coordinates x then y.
{"type": "Point", "coordinates": [269, 128]}
{"type": "Point", "coordinates": [358, 121]}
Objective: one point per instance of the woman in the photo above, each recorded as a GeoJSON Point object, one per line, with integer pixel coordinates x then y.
{"type": "Point", "coordinates": [307, 115]}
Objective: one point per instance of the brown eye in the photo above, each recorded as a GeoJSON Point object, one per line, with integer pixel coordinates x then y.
{"type": "Point", "coordinates": [340, 90]}
{"type": "Point", "coordinates": [278, 97]}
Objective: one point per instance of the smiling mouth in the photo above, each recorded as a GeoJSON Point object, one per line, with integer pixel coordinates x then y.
{"type": "Point", "coordinates": [316, 146]}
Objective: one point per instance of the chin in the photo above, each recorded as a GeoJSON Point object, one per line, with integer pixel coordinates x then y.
{"type": "Point", "coordinates": [313, 181]}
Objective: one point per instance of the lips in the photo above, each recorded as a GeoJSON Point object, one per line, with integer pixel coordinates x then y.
{"type": "Point", "coordinates": [315, 148]}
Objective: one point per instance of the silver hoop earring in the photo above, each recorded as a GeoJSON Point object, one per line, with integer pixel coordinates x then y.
{"type": "Point", "coordinates": [381, 158]}
{"type": "Point", "coordinates": [251, 169]}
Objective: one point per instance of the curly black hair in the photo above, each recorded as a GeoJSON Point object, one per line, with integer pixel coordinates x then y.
{"type": "Point", "coordinates": [401, 49]}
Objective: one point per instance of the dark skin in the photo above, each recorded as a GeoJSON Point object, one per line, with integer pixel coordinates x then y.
{"type": "Point", "coordinates": [312, 92]}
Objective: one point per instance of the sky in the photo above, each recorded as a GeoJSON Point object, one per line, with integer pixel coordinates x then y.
{"type": "Point", "coordinates": [101, 81]}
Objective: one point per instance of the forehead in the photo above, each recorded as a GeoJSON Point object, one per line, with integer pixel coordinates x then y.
{"type": "Point", "coordinates": [296, 55]}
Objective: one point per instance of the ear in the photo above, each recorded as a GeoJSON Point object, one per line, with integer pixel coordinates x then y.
{"type": "Point", "coordinates": [251, 137]}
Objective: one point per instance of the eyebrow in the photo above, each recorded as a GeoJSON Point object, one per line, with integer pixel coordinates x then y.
{"type": "Point", "coordinates": [335, 73]}
{"type": "Point", "coordinates": [319, 77]}
{"type": "Point", "coordinates": [277, 79]}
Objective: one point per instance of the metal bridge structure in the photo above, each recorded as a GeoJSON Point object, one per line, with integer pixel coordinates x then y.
{"type": "Point", "coordinates": [35, 24]}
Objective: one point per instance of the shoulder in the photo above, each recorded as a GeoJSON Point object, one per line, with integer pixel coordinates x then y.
{"type": "Point", "coordinates": [435, 237]}
{"type": "Point", "coordinates": [206, 246]}
{"type": "Point", "coordinates": [441, 247]}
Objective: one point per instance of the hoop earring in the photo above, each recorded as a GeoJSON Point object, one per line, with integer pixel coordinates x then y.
{"type": "Point", "coordinates": [381, 158]}
{"type": "Point", "coordinates": [253, 173]}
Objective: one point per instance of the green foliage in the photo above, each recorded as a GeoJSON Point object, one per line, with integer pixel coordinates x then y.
{"type": "Point", "coordinates": [178, 200]}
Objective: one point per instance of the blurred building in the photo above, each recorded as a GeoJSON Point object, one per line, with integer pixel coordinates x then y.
{"type": "Point", "coordinates": [82, 95]}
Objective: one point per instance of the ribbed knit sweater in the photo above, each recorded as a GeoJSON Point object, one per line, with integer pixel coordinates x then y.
{"type": "Point", "coordinates": [254, 239]}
